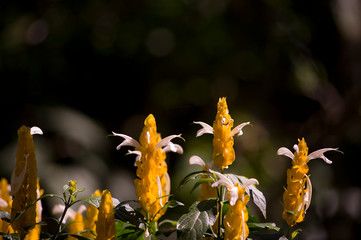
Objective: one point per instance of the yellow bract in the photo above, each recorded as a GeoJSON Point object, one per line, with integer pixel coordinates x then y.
{"type": "Point", "coordinates": [294, 195]}
{"type": "Point", "coordinates": [105, 226]}
{"type": "Point", "coordinates": [153, 180]}
{"type": "Point", "coordinates": [24, 189]}
{"type": "Point", "coordinates": [223, 152]}
{"type": "Point", "coordinates": [235, 222]}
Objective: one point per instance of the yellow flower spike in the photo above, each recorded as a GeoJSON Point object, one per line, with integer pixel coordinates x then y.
{"type": "Point", "coordinates": [34, 233]}
{"type": "Point", "coordinates": [5, 205]}
{"type": "Point", "coordinates": [297, 196]}
{"type": "Point", "coordinates": [24, 181]}
{"type": "Point", "coordinates": [153, 182]}
{"type": "Point", "coordinates": [223, 151]}
{"type": "Point", "coordinates": [105, 226]}
{"type": "Point", "coordinates": [235, 221]}
{"type": "Point", "coordinates": [91, 217]}
{"type": "Point", "coordinates": [77, 224]}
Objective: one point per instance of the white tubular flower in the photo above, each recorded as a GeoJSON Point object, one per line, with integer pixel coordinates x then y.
{"type": "Point", "coordinates": [232, 188]}
{"type": "Point", "coordinates": [165, 144]}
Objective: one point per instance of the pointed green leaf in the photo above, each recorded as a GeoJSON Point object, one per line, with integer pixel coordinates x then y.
{"type": "Point", "coordinates": [200, 181]}
{"type": "Point", "coordinates": [128, 231]}
{"type": "Point", "coordinates": [190, 177]}
{"type": "Point", "coordinates": [295, 233]}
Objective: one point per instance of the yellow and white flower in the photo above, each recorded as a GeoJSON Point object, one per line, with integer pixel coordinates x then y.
{"type": "Point", "coordinates": [223, 151]}
{"type": "Point", "coordinates": [153, 182]}
{"type": "Point", "coordinates": [298, 194]}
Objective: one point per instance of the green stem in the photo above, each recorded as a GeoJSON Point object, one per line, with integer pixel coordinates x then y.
{"type": "Point", "coordinates": [220, 212]}
{"type": "Point", "coordinates": [58, 229]}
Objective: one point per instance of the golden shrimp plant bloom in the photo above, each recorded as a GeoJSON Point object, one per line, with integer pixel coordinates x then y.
{"type": "Point", "coordinates": [5, 205]}
{"type": "Point", "coordinates": [24, 188]}
{"type": "Point", "coordinates": [297, 195]}
{"type": "Point", "coordinates": [105, 226]}
{"type": "Point", "coordinates": [235, 221]}
{"type": "Point", "coordinates": [223, 151]}
{"type": "Point", "coordinates": [153, 182]}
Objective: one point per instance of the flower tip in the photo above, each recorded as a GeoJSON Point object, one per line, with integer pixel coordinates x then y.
{"type": "Point", "coordinates": [196, 160]}
{"type": "Point", "coordinates": [36, 130]}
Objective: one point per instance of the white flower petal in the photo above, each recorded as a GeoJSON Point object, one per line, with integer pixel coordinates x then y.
{"type": "Point", "coordinates": [205, 129]}
{"type": "Point", "coordinates": [249, 182]}
{"type": "Point", "coordinates": [196, 160]}
{"type": "Point", "coordinates": [3, 203]}
{"type": "Point", "coordinates": [238, 130]}
{"type": "Point", "coordinates": [295, 147]}
{"type": "Point", "coordinates": [319, 154]}
{"type": "Point", "coordinates": [159, 191]}
{"type": "Point", "coordinates": [166, 141]}
{"type": "Point", "coordinates": [173, 148]}
{"type": "Point", "coordinates": [308, 194]}
{"type": "Point", "coordinates": [81, 209]}
{"type": "Point", "coordinates": [223, 180]}
{"type": "Point", "coordinates": [233, 195]}
{"type": "Point", "coordinates": [138, 157]}
{"type": "Point", "coordinates": [286, 152]}
{"type": "Point", "coordinates": [128, 141]}
{"type": "Point", "coordinates": [36, 130]}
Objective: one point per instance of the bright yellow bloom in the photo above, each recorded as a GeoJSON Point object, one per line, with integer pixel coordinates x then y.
{"type": "Point", "coordinates": [24, 181]}
{"type": "Point", "coordinates": [235, 221]}
{"type": "Point", "coordinates": [105, 226]}
{"type": "Point", "coordinates": [5, 205]}
{"type": "Point", "coordinates": [223, 151]}
{"type": "Point", "coordinates": [34, 233]}
{"type": "Point", "coordinates": [91, 217]}
{"type": "Point", "coordinates": [153, 183]}
{"type": "Point", "coordinates": [77, 225]}
{"type": "Point", "coordinates": [297, 195]}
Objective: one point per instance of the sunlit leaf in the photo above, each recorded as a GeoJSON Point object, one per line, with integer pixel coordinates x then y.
{"type": "Point", "coordinates": [197, 221]}
{"type": "Point", "coordinates": [295, 233]}
{"type": "Point", "coordinates": [266, 226]}
{"type": "Point", "coordinates": [126, 213]}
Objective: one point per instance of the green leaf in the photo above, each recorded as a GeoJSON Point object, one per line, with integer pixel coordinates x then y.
{"type": "Point", "coordinates": [266, 226]}
{"type": "Point", "coordinates": [128, 231]}
{"type": "Point", "coordinates": [5, 216]}
{"type": "Point", "coordinates": [198, 220]}
{"type": "Point", "coordinates": [12, 236]}
{"type": "Point", "coordinates": [126, 213]}
{"type": "Point", "coordinates": [200, 181]}
{"type": "Point", "coordinates": [190, 177]}
{"type": "Point", "coordinates": [295, 233]}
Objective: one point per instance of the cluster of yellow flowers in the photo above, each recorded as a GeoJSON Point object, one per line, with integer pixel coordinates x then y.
{"type": "Point", "coordinates": [21, 199]}
{"type": "Point", "coordinates": [18, 199]}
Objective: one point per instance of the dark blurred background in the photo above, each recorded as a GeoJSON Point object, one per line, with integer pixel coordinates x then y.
{"type": "Point", "coordinates": [81, 69]}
